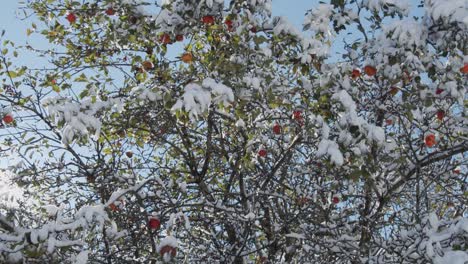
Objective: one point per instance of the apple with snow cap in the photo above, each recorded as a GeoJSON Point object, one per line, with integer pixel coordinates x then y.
{"type": "Point", "coordinates": [168, 248]}
{"type": "Point", "coordinates": [356, 73]}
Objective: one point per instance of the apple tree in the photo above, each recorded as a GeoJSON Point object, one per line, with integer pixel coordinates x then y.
{"type": "Point", "coordinates": [215, 132]}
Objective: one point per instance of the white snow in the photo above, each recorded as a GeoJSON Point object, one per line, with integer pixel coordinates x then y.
{"type": "Point", "coordinates": [452, 257]}
{"type": "Point", "coordinates": [168, 241]}
{"type": "Point", "coordinates": [82, 257]}
{"type": "Point", "coordinates": [197, 99]}
{"type": "Point", "coordinates": [319, 19]}
{"type": "Point", "coordinates": [331, 149]}
{"type": "Point", "coordinates": [400, 6]}
{"type": "Point", "coordinates": [250, 216]}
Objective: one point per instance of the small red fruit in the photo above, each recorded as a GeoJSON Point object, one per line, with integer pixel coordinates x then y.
{"type": "Point", "coordinates": [229, 24]}
{"type": "Point", "coordinates": [440, 114]}
{"type": "Point", "coordinates": [8, 119]}
{"type": "Point", "coordinates": [110, 11]}
{"type": "Point", "coordinates": [187, 57]}
{"type": "Point", "coordinates": [393, 90]}
{"type": "Point", "coordinates": [297, 115]}
{"type": "Point", "coordinates": [71, 18]}
{"type": "Point", "coordinates": [53, 81]}
{"type": "Point", "coordinates": [464, 69]}
{"type": "Point", "coordinates": [456, 171]}
{"type": "Point", "coordinates": [277, 129]}
{"type": "Point", "coordinates": [208, 20]}
{"type": "Point", "coordinates": [262, 153]}
{"type": "Point", "coordinates": [389, 122]}
{"type": "Point", "coordinates": [253, 29]}
{"type": "Point", "coordinates": [114, 207]}
{"type": "Point", "coordinates": [430, 140]}
{"type": "Point", "coordinates": [129, 154]}
{"type": "Point", "coordinates": [370, 70]}
{"type": "Point", "coordinates": [356, 74]}
{"type": "Point", "coordinates": [179, 37]}
{"type": "Point", "coordinates": [168, 249]}
{"type": "Point", "coordinates": [147, 65]}
{"type": "Point", "coordinates": [335, 200]}
{"type": "Point", "coordinates": [439, 91]}
{"type": "Point", "coordinates": [165, 38]}
{"type": "Point", "coordinates": [154, 223]}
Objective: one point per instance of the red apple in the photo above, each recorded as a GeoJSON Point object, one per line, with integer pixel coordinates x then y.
{"type": "Point", "coordinates": [208, 20]}
{"type": "Point", "coordinates": [165, 38]}
{"type": "Point", "coordinates": [356, 74]}
{"type": "Point", "coordinates": [277, 129]}
{"type": "Point", "coordinates": [393, 90]}
{"type": "Point", "coordinates": [110, 11]}
{"type": "Point", "coordinates": [129, 154]}
{"type": "Point", "coordinates": [8, 118]}
{"type": "Point", "coordinates": [187, 57]}
{"type": "Point", "coordinates": [297, 115]}
{"type": "Point", "coordinates": [464, 69]}
{"type": "Point", "coordinates": [154, 223]}
{"type": "Point", "coordinates": [335, 200]}
{"type": "Point", "coordinates": [168, 249]}
{"type": "Point", "coordinates": [370, 70]}
{"type": "Point", "coordinates": [439, 91]}
{"type": "Point", "coordinates": [389, 122]}
{"type": "Point", "coordinates": [179, 37]}
{"type": "Point", "coordinates": [114, 207]}
{"type": "Point", "coordinates": [71, 17]}
{"type": "Point", "coordinates": [262, 153]}
{"type": "Point", "coordinates": [147, 65]}
{"type": "Point", "coordinates": [229, 24]}
{"type": "Point", "coordinates": [440, 114]}
{"type": "Point", "coordinates": [430, 140]}
{"type": "Point", "coordinates": [253, 29]}
{"type": "Point", "coordinates": [456, 171]}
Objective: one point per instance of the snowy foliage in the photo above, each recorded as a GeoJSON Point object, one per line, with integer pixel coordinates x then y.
{"type": "Point", "coordinates": [215, 132]}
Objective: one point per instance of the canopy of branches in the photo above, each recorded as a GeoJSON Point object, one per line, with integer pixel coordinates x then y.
{"type": "Point", "coordinates": [212, 131]}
